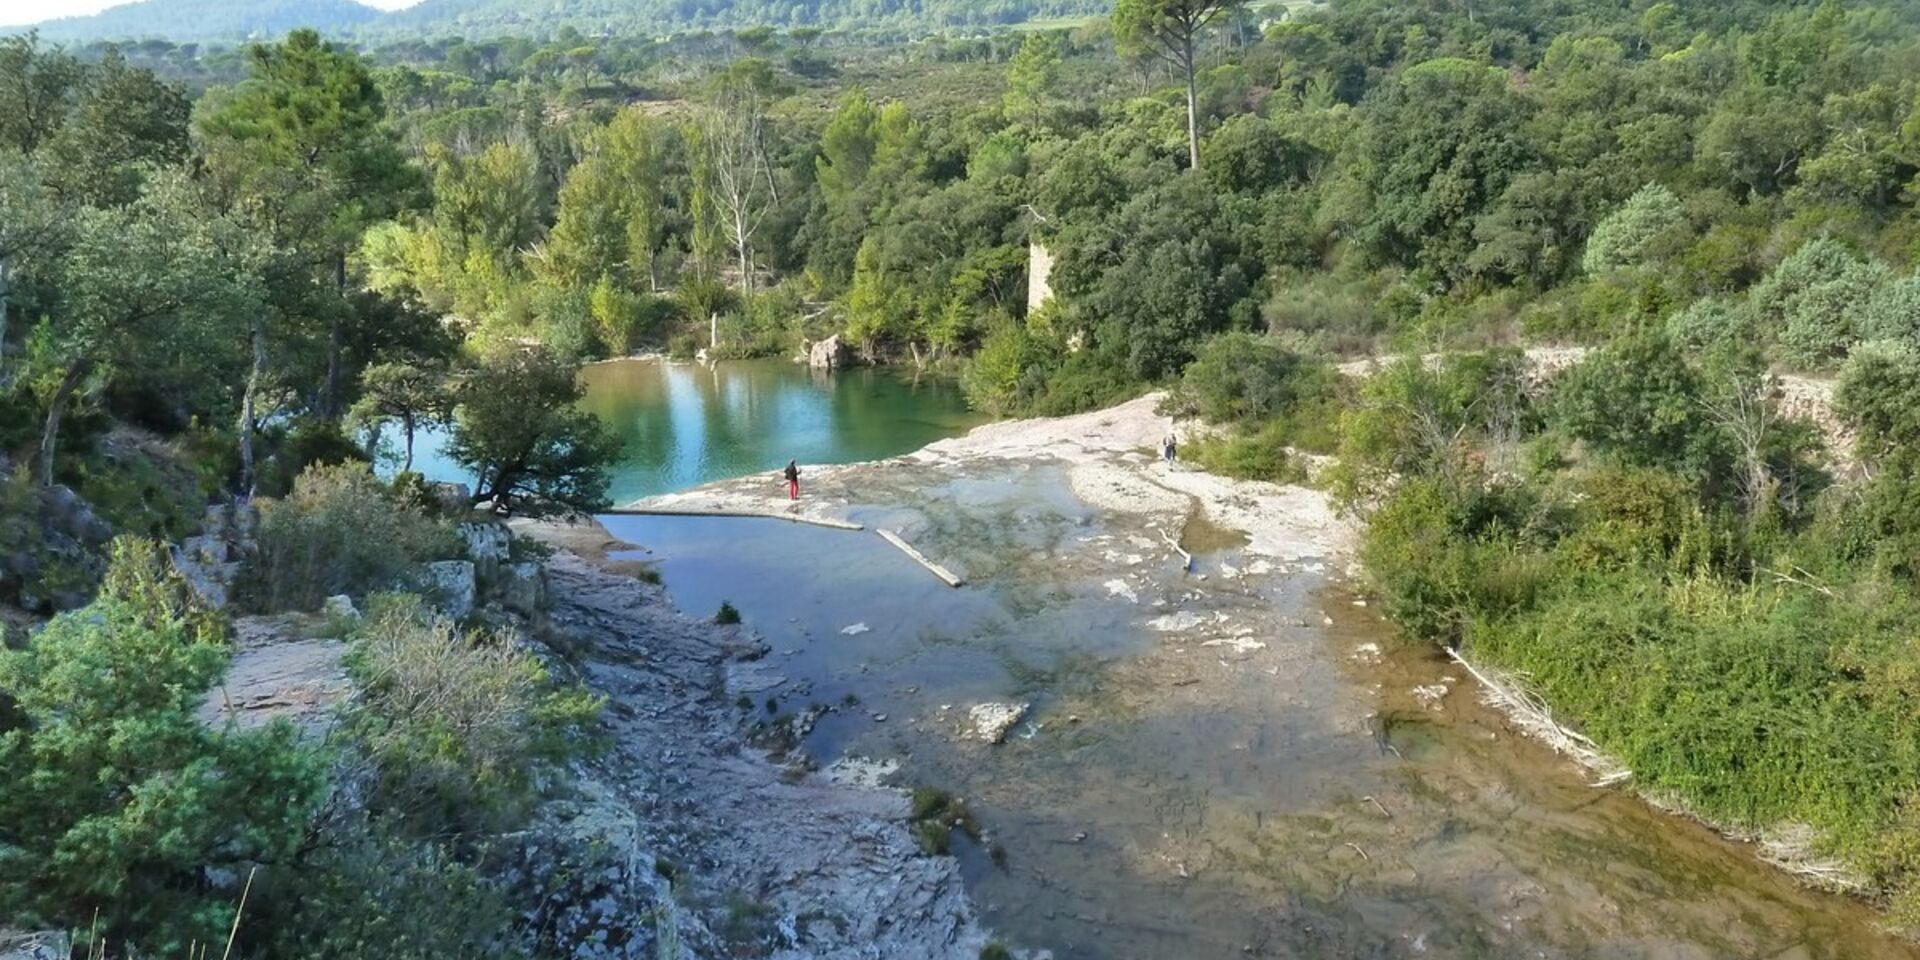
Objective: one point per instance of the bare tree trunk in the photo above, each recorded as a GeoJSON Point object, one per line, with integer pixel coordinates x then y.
{"type": "Point", "coordinates": [6, 289]}
{"type": "Point", "coordinates": [336, 342]}
{"type": "Point", "coordinates": [50, 436]}
{"type": "Point", "coordinates": [249, 400]}
{"type": "Point", "coordinates": [1193, 105]}
{"type": "Point", "coordinates": [406, 427]}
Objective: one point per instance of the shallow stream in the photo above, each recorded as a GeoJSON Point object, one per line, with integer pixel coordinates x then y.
{"type": "Point", "coordinates": [1233, 761]}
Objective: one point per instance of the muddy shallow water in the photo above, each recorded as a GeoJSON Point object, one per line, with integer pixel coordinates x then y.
{"type": "Point", "coordinates": [1233, 761]}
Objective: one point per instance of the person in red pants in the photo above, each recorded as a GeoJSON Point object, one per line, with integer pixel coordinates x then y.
{"type": "Point", "coordinates": [793, 480]}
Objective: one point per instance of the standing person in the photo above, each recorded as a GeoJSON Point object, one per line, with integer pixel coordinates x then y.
{"type": "Point", "coordinates": [792, 474]}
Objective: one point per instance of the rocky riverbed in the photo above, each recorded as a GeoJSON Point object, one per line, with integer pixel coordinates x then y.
{"type": "Point", "coordinates": [770, 860]}
{"type": "Point", "coordinates": [1220, 752]}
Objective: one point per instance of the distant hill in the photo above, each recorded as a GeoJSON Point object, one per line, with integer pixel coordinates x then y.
{"type": "Point", "coordinates": [203, 20]}
{"type": "Point", "coordinates": [196, 20]}
{"type": "Point", "coordinates": [663, 16]}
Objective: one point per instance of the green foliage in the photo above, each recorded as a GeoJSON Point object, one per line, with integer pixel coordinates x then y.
{"type": "Point", "coordinates": [1891, 313]}
{"type": "Point", "coordinates": [457, 725]}
{"type": "Point", "coordinates": [1241, 377]}
{"type": "Point", "coordinates": [1811, 299]}
{"type": "Point", "coordinates": [1879, 396]}
{"type": "Point", "coordinates": [1712, 322]}
{"type": "Point", "coordinates": [1261, 454]}
{"type": "Point", "coordinates": [119, 800]}
{"type": "Point", "coordinates": [516, 427]}
{"type": "Point", "coordinates": [340, 531]}
{"type": "Point", "coordinates": [367, 891]}
{"type": "Point", "coordinates": [1650, 225]}
{"type": "Point", "coordinates": [727, 615]}
{"type": "Point", "coordinates": [1637, 401]}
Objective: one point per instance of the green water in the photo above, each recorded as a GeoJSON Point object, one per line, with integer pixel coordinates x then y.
{"type": "Point", "coordinates": [685, 424]}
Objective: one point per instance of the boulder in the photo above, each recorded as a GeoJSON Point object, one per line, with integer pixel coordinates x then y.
{"type": "Point", "coordinates": [992, 721]}
{"type": "Point", "coordinates": [489, 546]}
{"type": "Point", "coordinates": [595, 893]}
{"type": "Point", "coordinates": [340, 607]}
{"type": "Point", "coordinates": [524, 590]}
{"type": "Point", "coordinates": [455, 498]}
{"type": "Point", "coordinates": [40, 945]}
{"type": "Point", "coordinates": [273, 678]}
{"type": "Point", "coordinates": [63, 511]}
{"type": "Point", "coordinates": [451, 587]}
{"type": "Point", "coordinates": [830, 354]}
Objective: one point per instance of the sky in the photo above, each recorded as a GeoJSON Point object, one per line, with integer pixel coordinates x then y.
{"type": "Point", "coordinates": [16, 12]}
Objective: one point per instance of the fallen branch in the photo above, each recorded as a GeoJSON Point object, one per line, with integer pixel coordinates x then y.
{"type": "Point", "coordinates": [1531, 714]}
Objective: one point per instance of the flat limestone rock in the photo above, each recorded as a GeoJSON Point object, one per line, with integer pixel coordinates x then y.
{"type": "Point", "coordinates": [297, 680]}
{"type": "Point", "coordinates": [992, 721]}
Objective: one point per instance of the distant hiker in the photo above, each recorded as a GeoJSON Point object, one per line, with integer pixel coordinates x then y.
{"type": "Point", "coordinates": [793, 480]}
{"type": "Point", "coordinates": [1169, 448]}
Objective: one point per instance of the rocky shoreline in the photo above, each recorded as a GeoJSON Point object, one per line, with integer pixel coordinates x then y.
{"type": "Point", "coordinates": [734, 848]}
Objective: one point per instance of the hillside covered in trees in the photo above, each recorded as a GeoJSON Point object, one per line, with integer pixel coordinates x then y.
{"type": "Point", "coordinates": [223, 266]}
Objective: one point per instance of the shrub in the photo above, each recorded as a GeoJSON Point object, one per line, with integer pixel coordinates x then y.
{"type": "Point", "coordinates": [456, 724]}
{"type": "Point", "coordinates": [341, 531]}
{"type": "Point", "coordinates": [1879, 396]}
{"type": "Point", "coordinates": [365, 892]}
{"type": "Point", "coordinates": [117, 798]}
{"type": "Point", "coordinates": [1259, 455]}
{"type": "Point", "coordinates": [307, 443]}
{"type": "Point", "coordinates": [1242, 377]}
{"type": "Point", "coordinates": [1712, 322]}
{"type": "Point", "coordinates": [1812, 297]}
{"type": "Point", "coordinates": [1637, 402]}
{"type": "Point", "coordinates": [1649, 226]}
{"type": "Point", "coordinates": [1892, 313]}
{"type": "Point", "coordinates": [727, 615]}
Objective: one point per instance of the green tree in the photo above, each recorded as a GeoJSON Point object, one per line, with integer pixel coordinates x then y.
{"type": "Point", "coordinates": [1650, 224]}
{"type": "Point", "coordinates": [1171, 30]}
{"type": "Point", "coordinates": [124, 121]}
{"type": "Point", "coordinates": [1439, 148]}
{"type": "Point", "coordinates": [1638, 402]}
{"type": "Point", "coordinates": [1031, 74]}
{"type": "Point", "coordinates": [1811, 299]}
{"type": "Point", "coordinates": [32, 227]}
{"type": "Point", "coordinates": [37, 88]}
{"type": "Point", "coordinates": [160, 278]}
{"type": "Point", "coordinates": [408, 394]}
{"type": "Point", "coordinates": [518, 428]}
{"type": "Point", "coordinates": [120, 803]}
{"type": "Point", "coordinates": [303, 147]}
{"type": "Point", "coordinates": [612, 214]}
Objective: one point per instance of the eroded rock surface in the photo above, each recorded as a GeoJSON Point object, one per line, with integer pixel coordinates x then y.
{"type": "Point", "coordinates": [782, 865]}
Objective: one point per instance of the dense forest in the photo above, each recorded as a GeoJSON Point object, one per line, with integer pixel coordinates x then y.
{"type": "Point", "coordinates": [242, 20]}
{"type": "Point", "coordinates": [223, 268]}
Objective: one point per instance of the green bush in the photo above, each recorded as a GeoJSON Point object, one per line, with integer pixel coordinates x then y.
{"type": "Point", "coordinates": [1241, 377]}
{"type": "Point", "coordinates": [1257, 455]}
{"type": "Point", "coordinates": [1813, 297]}
{"type": "Point", "coordinates": [1650, 226]}
{"type": "Point", "coordinates": [341, 531]}
{"type": "Point", "coordinates": [1712, 322]}
{"type": "Point", "coordinates": [1637, 401]}
{"type": "Point", "coordinates": [309, 442]}
{"type": "Point", "coordinates": [1892, 313]}
{"type": "Point", "coordinates": [1879, 396]}
{"type": "Point", "coordinates": [727, 615]}
{"type": "Point", "coordinates": [457, 725]}
{"type": "Point", "coordinates": [118, 799]}
{"type": "Point", "coordinates": [364, 892]}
